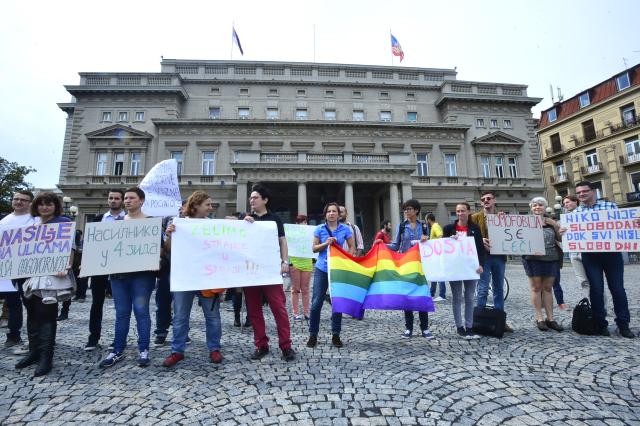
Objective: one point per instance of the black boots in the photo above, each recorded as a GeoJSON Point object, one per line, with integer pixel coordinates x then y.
{"type": "Point", "coordinates": [46, 341]}
{"type": "Point", "coordinates": [33, 355]}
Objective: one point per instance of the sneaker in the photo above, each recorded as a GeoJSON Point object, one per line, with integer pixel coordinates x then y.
{"type": "Point", "coordinates": [12, 341]}
{"type": "Point", "coordinates": [462, 332]}
{"type": "Point", "coordinates": [215, 357]}
{"type": "Point", "coordinates": [625, 332]}
{"type": "Point", "coordinates": [554, 325]}
{"type": "Point", "coordinates": [259, 353]}
{"type": "Point", "coordinates": [111, 360]}
{"type": "Point", "coordinates": [335, 340]}
{"type": "Point", "coordinates": [172, 359]}
{"type": "Point", "coordinates": [312, 342]}
{"type": "Point", "coordinates": [143, 359]}
{"type": "Point", "coordinates": [428, 335]}
{"type": "Point", "coordinates": [288, 354]}
{"type": "Point", "coordinates": [20, 350]}
{"type": "Point", "coordinates": [407, 334]}
{"type": "Point", "coordinates": [90, 346]}
{"type": "Point", "coordinates": [159, 340]}
{"type": "Point", "coordinates": [439, 299]}
{"type": "Point", "coordinates": [297, 317]}
{"type": "Point", "coordinates": [471, 334]}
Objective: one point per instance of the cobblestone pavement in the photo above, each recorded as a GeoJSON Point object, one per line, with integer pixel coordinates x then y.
{"type": "Point", "coordinates": [529, 377]}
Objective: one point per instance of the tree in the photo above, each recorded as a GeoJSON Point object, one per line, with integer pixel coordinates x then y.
{"type": "Point", "coordinates": [11, 179]}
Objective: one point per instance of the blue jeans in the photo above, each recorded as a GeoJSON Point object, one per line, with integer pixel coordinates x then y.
{"type": "Point", "coordinates": [320, 287]}
{"type": "Point", "coordinates": [557, 290]}
{"type": "Point", "coordinates": [163, 303]}
{"type": "Point", "coordinates": [13, 300]}
{"type": "Point", "coordinates": [441, 286]}
{"type": "Point", "coordinates": [182, 303]}
{"type": "Point", "coordinates": [132, 291]}
{"type": "Point", "coordinates": [611, 264]}
{"type": "Point", "coordinates": [493, 269]}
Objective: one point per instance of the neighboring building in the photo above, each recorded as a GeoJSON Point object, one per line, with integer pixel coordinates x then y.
{"type": "Point", "coordinates": [366, 136]}
{"type": "Point", "coordinates": [594, 136]}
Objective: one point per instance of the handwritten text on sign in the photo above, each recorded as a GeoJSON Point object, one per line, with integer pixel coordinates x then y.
{"type": "Point", "coordinates": [218, 253]}
{"type": "Point", "coordinates": [515, 234]}
{"type": "Point", "coordinates": [162, 194]}
{"type": "Point", "coordinates": [300, 240]}
{"type": "Point", "coordinates": [121, 246]}
{"type": "Point", "coordinates": [35, 250]}
{"type": "Point", "coordinates": [602, 230]}
{"type": "Point", "coordinates": [449, 259]}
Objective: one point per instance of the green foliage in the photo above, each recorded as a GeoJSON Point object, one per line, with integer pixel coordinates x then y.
{"type": "Point", "coordinates": [12, 177]}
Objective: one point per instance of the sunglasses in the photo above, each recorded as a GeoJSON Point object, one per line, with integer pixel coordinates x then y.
{"type": "Point", "coordinates": [486, 199]}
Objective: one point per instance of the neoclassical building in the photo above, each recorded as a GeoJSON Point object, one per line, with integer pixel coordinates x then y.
{"type": "Point", "coordinates": [366, 136]}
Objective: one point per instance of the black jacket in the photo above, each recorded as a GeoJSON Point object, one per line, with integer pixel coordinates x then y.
{"type": "Point", "coordinates": [474, 231]}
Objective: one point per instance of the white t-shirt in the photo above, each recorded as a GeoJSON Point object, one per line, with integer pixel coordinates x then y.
{"type": "Point", "coordinates": [15, 221]}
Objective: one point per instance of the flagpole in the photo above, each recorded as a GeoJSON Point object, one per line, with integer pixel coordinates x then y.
{"type": "Point", "coordinates": [232, 29]}
{"type": "Point", "coordinates": [391, 35]}
{"type": "Point", "coordinates": [314, 43]}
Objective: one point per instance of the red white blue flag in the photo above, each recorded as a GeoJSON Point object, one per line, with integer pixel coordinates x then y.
{"type": "Point", "coordinates": [396, 49]}
{"type": "Point", "coordinates": [236, 40]}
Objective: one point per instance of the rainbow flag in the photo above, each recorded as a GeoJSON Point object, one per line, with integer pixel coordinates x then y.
{"type": "Point", "coordinates": [382, 279]}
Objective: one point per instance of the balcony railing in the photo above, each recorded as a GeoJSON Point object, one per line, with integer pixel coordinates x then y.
{"type": "Point", "coordinates": [325, 158]}
{"type": "Point", "coordinates": [629, 159]}
{"type": "Point", "coordinates": [590, 170]}
{"type": "Point", "coordinates": [607, 131]}
{"type": "Point", "coordinates": [559, 178]}
{"type": "Point", "coordinates": [370, 158]}
{"type": "Point", "coordinates": [549, 152]}
{"type": "Point", "coordinates": [279, 157]}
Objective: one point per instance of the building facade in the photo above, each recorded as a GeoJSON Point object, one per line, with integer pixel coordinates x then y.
{"type": "Point", "coordinates": [366, 136]}
{"type": "Point", "coordinates": [594, 136]}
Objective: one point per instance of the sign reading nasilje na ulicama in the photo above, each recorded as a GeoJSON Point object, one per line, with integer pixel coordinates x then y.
{"type": "Point", "coordinates": [35, 250]}
{"type": "Point", "coordinates": [601, 230]}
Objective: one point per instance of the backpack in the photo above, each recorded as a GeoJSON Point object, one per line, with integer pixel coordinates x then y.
{"type": "Point", "coordinates": [583, 321]}
{"type": "Point", "coordinates": [403, 224]}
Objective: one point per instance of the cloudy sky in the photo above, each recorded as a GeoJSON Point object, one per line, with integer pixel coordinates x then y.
{"type": "Point", "coordinates": [571, 44]}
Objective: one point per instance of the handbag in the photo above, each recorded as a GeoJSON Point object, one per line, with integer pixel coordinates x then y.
{"type": "Point", "coordinates": [489, 321]}
{"type": "Point", "coordinates": [583, 321]}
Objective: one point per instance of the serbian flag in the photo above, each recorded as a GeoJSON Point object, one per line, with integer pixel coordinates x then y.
{"type": "Point", "coordinates": [236, 40]}
{"type": "Point", "coordinates": [396, 49]}
{"type": "Point", "coordinates": [382, 279]}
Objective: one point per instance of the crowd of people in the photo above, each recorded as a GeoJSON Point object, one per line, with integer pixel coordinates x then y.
{"type": "Point", "coordinates": [132, 291]}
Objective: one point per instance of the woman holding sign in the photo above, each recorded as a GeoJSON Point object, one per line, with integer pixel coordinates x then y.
{"type": "Point", "coordinates": [132, 291]}
{"type": "Point", "coordinates": [543, 268]}
{"type": "Point", "coordinates": [198, 206]}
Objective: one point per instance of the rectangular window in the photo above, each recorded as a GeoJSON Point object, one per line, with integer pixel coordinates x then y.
{"type": "Point", "coordinates": [123, 116]}
{"type": "Point", "coordinates": [479, 122]}
{"type": "Point", "coordinates": [134, 170]}
{"type": "Point", "coordinates": [106, 116]}
{"type": "Point", "coordinates": [450, 165]}
{"type": "Point", "coordinates": [494, 123]}
{"type": "Point", "coordinates": [628, 113]}
{"type": "Point", "coordinates": [215, 91]}
{"type": "Point", "coordinates": [385, 115]}
{"type": "Point", "coordinates": [622, 81]}
{"type": "Point", "coordinates": [214, 113]}
{"type": "Point", "coordinates": [584, 100]}
{"type": "Point", "coordinates": [632, 146]}
{"type": "Point", "coordinates": [556, 145]}
{"type": "Point", "coordinates": [301, 113]}
{"type": "Point", "coordinates": [244, 91]}
{"type": "Point", "coordinates": [635, 182]}
{"type": "Point", "coordinates": [139, 115]}
{"type": "Point", "coordinates": [422, 164]}
{"type": "Point", "coordinates": [118, 163]}
{"type": "Point", "coordinates": [101, 163]}
{"type": "Point", "coordinates": [589, 130]}
{"type": "Point", "coordinates": [412, 116]}
{"type": "Point", "coordinates": [357, 94]}
{"type": "Point", "coordinates": [551, 115]}
{"type": "Point", "coordinates": [499, 167]}
{"type": "Point", "coordinates": [301, 93]}
{"type": "Point", "coordinates": [384, 95]}
{"type": "Point", "coordinates": [507, 124]}
{"type": "Point", "coordinates": [485, 165]}
{"type": "Point", "coordinates": [273, 92]}
{"type": "Point", "coordinates": [411, 96]}
{"type": "Point", "coordinates": [329, 93]}
{"type": "Point", "coordinates": [208, 163]}
{"type": "Point", "coordinates": [358, 115]}
{"type": "Point", "coordinates": [592, 160]}
{"type": "Point", "coordinates": [513, 167]}
{"type": "Point", "coordinates": [559, 166]}
{"type": "Point", "coordinates": [329, 114]}
{"type": "Point", "coordinates": [177, 155]}
{"type": "Point", "coordinates": [243, 113]}
{"type": "Point", "coordinates": [273, 114]}
{"type": "Point", "coordinates": [599, 191]}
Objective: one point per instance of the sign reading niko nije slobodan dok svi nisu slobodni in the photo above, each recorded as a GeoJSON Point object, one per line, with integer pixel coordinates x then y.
{"type": "Point", "coordinates": [35, 250]}
{"type": "Point", "coordinates": [515, 234]}
{"type": "Point", "coordinates": [601, 230]}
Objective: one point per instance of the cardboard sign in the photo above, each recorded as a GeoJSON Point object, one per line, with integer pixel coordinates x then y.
{"type": "Point", "coordinates": [220, 253]}
{"type": "Point", "coordinates": [449, 259]}
{"type": "Point", "coordinates": [121, 246]}
{"type": "Point", "coordinates": [300, 240]}
{"type": "Point", "coordinates": [516, 234]}
{"type": "Point", "coordinates": [162, 194]}
{"type": "Point", "coordinates": [601, 231]}
{"type": "Point", "coordinates": [35, 250]}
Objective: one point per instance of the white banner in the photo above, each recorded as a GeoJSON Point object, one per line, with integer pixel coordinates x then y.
{"type": "Point", "coordinates": [515, 234]}
{"type": "Point", "coordinates": [121, 246]}
{"type": "Point", "coordinates": [162, 194]}
{"type": "Point", "coordinates": [601, 230]}
{"type": "Point", "coordinates": [449, 259]}
{"type": "Point", "coordinates": [221, 253]}
{"type": "Point", "coordinates": [35, 250]}
{"type": "Point", "coordinates": [6, 286]}
{"type": "Point", "coordinates": [300, 240]}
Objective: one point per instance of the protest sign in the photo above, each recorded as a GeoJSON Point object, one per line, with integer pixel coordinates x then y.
{"type": "Point", "coordinates": [300, 240]}
{"type": "Point", "coordinates": [35, 250]}
{"type": "Point", "coordinates": [219, 253]}
{"type": "Point", "coordinates": [449, 259]}
{"type": "Point", "coordinates": [6, 286]}
{"type": "Point", "coordinates": [601, 230]}
{"type": "Point", "coordinates": [515, 234]}
{"type": "Point", "coordinates": [121, 246]}
{"type": "Point", "coordinates": [162, 194]}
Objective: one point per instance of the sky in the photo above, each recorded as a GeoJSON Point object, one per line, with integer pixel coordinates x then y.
{"type": "Point", "coordinates": [571, 44]}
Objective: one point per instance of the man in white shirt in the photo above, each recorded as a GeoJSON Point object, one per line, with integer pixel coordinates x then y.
{"type": "Point", "coordinates": [357, 235]}
{"type": "Point", "coordinates": [20, 217]}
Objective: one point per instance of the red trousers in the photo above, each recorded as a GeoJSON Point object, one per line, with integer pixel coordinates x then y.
{"type": "Point", "coordinates": [277, 302]}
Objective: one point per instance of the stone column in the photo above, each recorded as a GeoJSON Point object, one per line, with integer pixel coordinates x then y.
{"type": "Point", "coordinates": [302, 198]}
{"type": "Point", "coordinates": [348, 201]}
{"type": "Point", "coordinates": [394, 207]}
{"type": "Point", "coordinates": [407, 194]}
{"type": "Point", "coordinates": [241, 196]}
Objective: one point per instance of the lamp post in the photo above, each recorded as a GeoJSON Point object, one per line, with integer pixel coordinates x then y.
{"type": "Point", "coordinates": [69, 210]}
